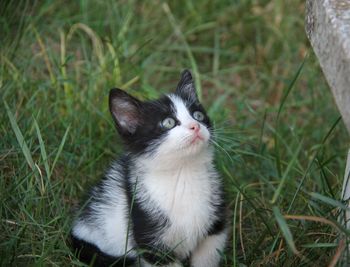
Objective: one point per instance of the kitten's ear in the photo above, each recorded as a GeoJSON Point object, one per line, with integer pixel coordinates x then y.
{"type": "Point", "coordinates": [185, 88]}
{"type": "Point", "coordinates": [125, 111]}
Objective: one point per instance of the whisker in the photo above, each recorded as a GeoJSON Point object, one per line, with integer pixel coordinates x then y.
{"type": "Point", "coordinates": [224, 150]}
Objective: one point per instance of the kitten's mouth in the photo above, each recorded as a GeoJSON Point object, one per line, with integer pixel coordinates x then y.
{"type": "Point", "coordinates": [197, 139]}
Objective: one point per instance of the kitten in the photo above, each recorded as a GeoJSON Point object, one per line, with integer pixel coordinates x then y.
{"type": "Point", "coordinates": [161, 203]}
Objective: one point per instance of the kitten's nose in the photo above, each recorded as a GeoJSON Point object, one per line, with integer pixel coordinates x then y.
{"type": "Point", "coordinates": [194, 126]}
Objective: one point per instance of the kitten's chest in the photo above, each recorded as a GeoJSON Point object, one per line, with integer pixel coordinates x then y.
{"type": "Point", "coordinates": [177, 193]}
{"type": "Point", "coordinates": [185, 197]}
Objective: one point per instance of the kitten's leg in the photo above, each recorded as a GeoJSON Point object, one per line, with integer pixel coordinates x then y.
{"type": "Point", "coordinates": [206, 253]}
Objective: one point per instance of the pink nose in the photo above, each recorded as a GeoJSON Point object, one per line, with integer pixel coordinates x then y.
{"type": "Point", "coordinates": [194, 126]}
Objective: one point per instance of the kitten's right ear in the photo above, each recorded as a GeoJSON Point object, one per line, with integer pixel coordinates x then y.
{"type": "Point", "coordinates": [125, 111]}
{"type": "Point", "coordinates": [185, 88]}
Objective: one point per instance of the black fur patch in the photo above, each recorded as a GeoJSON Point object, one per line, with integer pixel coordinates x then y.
{"type": "Point", "coordinates": [92, 255]}
{"type": "Point", "coordinates": [220, 213]}
{"type": "Point", "coordinates": [146, 229]}
{"type": "Point", "coordinates": [185, 88]}
{"type": "Point", "coordinates": [220, 223]}
{"type": "Point", "coordinates": [148, 132]}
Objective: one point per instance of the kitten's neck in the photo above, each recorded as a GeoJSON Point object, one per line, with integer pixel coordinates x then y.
{"type": "Point", "coordinates": [169, 163]}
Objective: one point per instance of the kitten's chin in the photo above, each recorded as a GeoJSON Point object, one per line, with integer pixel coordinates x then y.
{"type": "Point", "coordinates": [194, 147]}
{"type": "Point", "coordinates": [197, 151]}
{"type": "Point", "coordinates": [186, 149]}
{"type": "Point", "coordinates": [200, 152]}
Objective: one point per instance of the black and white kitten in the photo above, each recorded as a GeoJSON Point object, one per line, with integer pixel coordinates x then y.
{"type": "Point", "coordinates": [161, 204]}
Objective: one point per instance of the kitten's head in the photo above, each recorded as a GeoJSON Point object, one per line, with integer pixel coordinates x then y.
{"type": "Point", "coordinates": [175, 124]}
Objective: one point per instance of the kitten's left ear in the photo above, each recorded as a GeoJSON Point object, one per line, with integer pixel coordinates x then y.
{"type": "Point", "coordinates": [125, 111]}
{"type": "Point", "coordinates": [185, 88]}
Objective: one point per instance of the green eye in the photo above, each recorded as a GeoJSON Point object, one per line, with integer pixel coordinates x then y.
{"type": "Point", "coordinates": [168, 123]}
{"type": "Point", "coordinates": [199, 116]}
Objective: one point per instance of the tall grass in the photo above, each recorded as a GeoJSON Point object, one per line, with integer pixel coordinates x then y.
{"type": "Point", "coordinates": [281, 146]}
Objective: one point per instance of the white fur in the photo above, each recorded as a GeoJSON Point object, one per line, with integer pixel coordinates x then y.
{"type": "Point", "coordinates": [184, 195]}
{"type": "Point", "coordinates": [206, 253]}
{"type": "Point", "coordinates": [109, 232]}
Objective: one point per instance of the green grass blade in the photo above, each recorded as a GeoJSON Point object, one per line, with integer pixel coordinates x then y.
{"type": "Point", "coordinates": [217, 105]}
{"type": "Point", "coordinates": [216, 58]}
{"type": "Point", "coordinates": [285, 174]}
{"type": "Point", "coordinates": [291, 85]}
{"type": "Point", "coordinates": [20, 139]}
{"type": "Point", "coordinates": [284, 229]}
{"type": "Point", "coordinates": [331, 129]}
{"type": "Point", "coordinates": [308, 170]}
{"type": "Point", "coordinates": [251, 203]}
{"type": "Point", "coordinates": [60, 149]}
{"type": "Point", "coordinates": [320, 245]}
{"type": "Point", "coordinates": [42, 149]}
{"type": "Point", "coordinates": [234, 232]}
{"type": "Point", "coordinates": [283, 101]}
{"type": "Point", "coordinates": [329, 201]}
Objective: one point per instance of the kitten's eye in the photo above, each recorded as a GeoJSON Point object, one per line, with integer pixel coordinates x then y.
{"type": "Point", "coordinates": [168, 123]}
{"type": "Point", "coordinates": [199, 116]}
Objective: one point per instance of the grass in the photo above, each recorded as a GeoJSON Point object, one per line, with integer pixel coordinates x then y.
{"type": "Point", "coordinates": [282, 146]}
